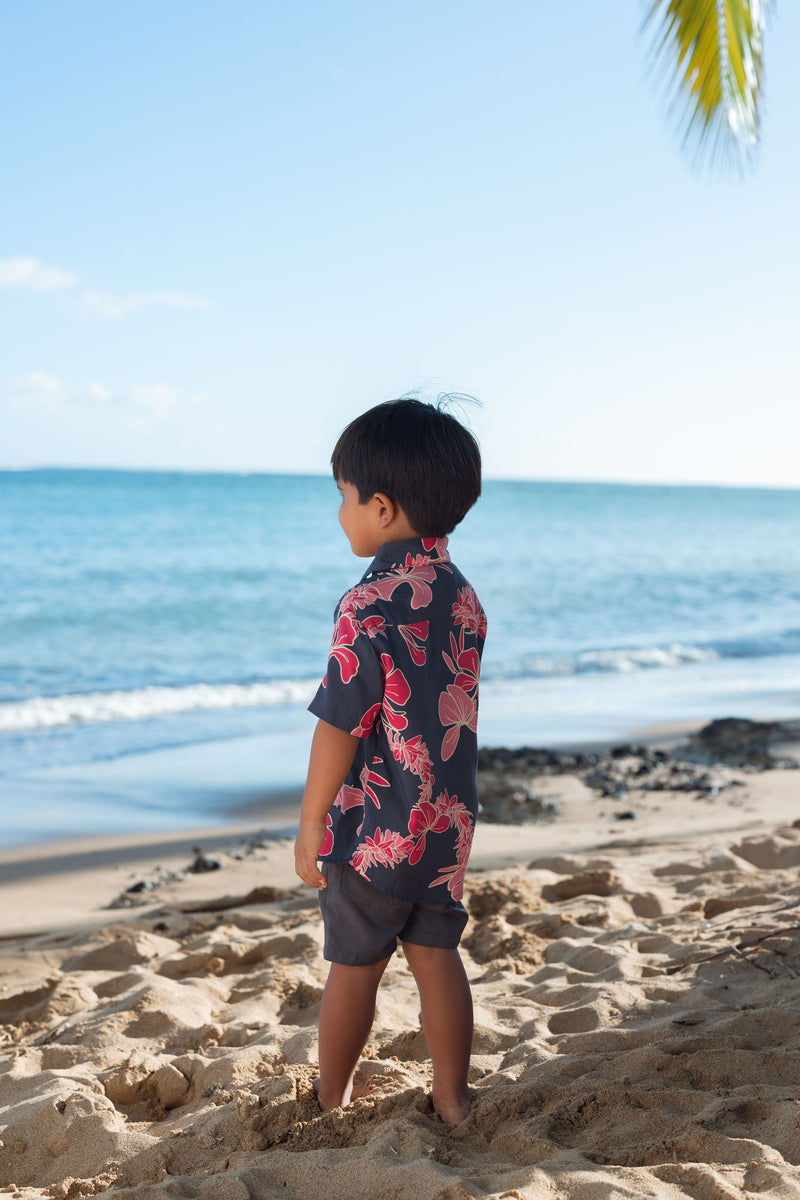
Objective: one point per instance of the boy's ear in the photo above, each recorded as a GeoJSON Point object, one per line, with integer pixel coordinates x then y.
{"type": "Point", "coordinates": [386, 509]}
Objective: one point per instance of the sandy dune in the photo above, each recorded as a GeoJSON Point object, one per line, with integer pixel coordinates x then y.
{"type": "Point", "coordinates": [637, 1028]}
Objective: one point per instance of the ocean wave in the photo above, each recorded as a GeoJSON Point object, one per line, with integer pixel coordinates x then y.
{"type": "Point", "coordinates": [138, 704]}
{"type": "Point", "coordinates": [619, 660]}
{"type": "Point", "coordinates": [590, 662]}
{"type": "Point", "coordinates": [674, 655]}
{"type": "Point", "coordinates": [48, 712]}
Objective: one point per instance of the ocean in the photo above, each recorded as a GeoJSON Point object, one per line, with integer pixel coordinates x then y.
{"type": "Point", "coordinates": [162, 632]}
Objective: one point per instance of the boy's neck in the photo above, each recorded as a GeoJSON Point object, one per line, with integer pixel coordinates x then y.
{"type": "Point", "coordinates": [400, 530]}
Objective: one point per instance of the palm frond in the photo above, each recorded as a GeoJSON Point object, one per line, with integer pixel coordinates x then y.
{"type": "Point", "coordinates": [711, 53]}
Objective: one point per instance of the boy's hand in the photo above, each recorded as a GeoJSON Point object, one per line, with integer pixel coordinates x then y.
{"type": "Point", "coordinates": [332, 754]}
{"type": "Point", "coordinates": [306, 852]}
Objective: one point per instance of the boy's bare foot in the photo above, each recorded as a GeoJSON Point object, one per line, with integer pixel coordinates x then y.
{"type": "Point", "coordinates": [327, 1101]}
{"type": "Point", "coordinates": [453, 1110]}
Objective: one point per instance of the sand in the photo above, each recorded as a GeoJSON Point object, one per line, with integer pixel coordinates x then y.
{"type": "Point", "coordinates": [637, 1004]}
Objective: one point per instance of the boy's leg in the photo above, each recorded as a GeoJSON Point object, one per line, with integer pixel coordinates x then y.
{"type": "Point", "coordinates": [345, 1019]}
{"type": "Point", "coordinates": [446, 1003]}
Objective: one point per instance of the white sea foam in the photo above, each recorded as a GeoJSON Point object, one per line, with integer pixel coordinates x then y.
{"type": "Point", "coordinates": [138, 704]}
{"type": "Point", "coordinates": [589, 662]}
{"type": "Point", "coordinates": [47, 712]}
{"type": "Point", "coordinates": [673, 655]}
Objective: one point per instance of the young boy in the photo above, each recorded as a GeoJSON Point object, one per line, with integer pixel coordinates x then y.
{"type": "Point", "coordinates": [391, 798]}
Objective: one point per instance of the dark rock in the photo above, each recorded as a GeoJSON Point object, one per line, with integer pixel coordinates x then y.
{"type": "Point", "coordinates": [629, 815]}
{"type": "Point", "coordinates": [705, 767]}
{"type": "Point", "coordinates": [133, 896]}
{"type": "Point", "coordinates": [539, 761]}
{"type": "Point", "coordinates": [143, 885]}
{"type": "Point", "coordinates": [742, 743]}
{"type": "Point", "coordinates": [507, 798]}
{"type": "Point", "coordinates": [507, 778]}
{"type": "Point", "coordinates": [204, 862]}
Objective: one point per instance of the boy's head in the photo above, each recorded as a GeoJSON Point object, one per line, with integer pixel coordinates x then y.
{"type": "Point", "coordinates": [418, 455]}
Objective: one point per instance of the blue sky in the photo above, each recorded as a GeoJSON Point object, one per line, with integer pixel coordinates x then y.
{"type": "Point", "coordinates": [226, 229]}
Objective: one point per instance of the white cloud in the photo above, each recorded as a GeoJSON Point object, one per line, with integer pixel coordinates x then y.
{"type": "Point", "coordinates": [138, 408]}
{"type": "Point", "coordinates": [33, 275]}
{"type": "Point", "coordinates": [99, 392]}
{"type": "Point", "coordinates": [40, 391]}
{"type": "Point", "coordinates": [108, 305]}
{"type": "Point", "coordinates": [43, 381]}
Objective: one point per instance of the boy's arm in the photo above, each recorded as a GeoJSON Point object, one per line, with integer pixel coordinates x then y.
{"type": "Point", "coordinates": [332, 754]}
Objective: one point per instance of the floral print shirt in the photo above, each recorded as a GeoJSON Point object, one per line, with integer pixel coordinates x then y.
{"type": "Point", "coordinates": [403, 677]}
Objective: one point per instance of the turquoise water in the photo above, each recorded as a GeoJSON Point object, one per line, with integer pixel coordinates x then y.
{"type": "Point", "coordinates": [144, 609]}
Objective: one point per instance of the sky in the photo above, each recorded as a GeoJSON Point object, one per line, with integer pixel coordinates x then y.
{"type": "Point", "coordinates": [225, 230]}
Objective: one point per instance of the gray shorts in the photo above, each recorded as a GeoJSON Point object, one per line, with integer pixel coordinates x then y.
{"type": "Point", "coordinates": [362, 924]}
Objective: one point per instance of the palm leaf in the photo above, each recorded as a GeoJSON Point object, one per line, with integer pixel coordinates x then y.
{"type": "Point", "coordinates": [711, 52]}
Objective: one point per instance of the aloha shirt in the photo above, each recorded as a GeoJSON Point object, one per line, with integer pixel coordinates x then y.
{"type": "Point", "coordinates": [403, 677]}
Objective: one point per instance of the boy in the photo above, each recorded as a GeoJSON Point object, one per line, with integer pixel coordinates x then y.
{"type": "Point", "coordinates": [391, 797]}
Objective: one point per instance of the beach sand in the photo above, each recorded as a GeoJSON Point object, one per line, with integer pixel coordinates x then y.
{"type": "Point", "coordinates": [637, 1003]}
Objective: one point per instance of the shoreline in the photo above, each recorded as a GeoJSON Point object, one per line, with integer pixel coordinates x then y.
{"type": "Point", "coordinates": [219, 783]}
{"type": "Point", "coordinates": [268, 808]}
{"type": "Point", "coordinates": [214, 779]}
{"type": "Point", "coordinates": [78, 877]}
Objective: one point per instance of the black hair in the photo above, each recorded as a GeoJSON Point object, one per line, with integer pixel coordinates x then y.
{"type": "Point", "coordinates": [417, 454]}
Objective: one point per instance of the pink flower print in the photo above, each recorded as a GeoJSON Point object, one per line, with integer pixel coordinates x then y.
{"type": "Point", "coordinates": [349, 797]}
{"type": "Point", "coordinates": [436, 545]}
{"type": "Point", "coordinates": [452, 808]}
{"type": "Point", "coordinates": [367, 722]}
{"type": "Point", "coordinates": [370, 780]}
{"type": "Point", "coordinates": [396, 693]}
{"type": "Point", "coordinates": [453, 877]}
{"type": "Point", "coordinates": [373, 626]}
{"type": "Point", "coordinates": [417, 572]}
{"type": "Point", "coordinates": [385, 849]}
{"type": "Point", "coordinates": [393, 720]}
{"type": "Point", "coordinates": [457, 708]}
{"type": "Point", "coordinates": [395, 684]}
{"type": "Point", "coordinates": [344, 635]}
{"type": "Point", "coordinates": [327, 841]}
{"type": "Point", "coordinates": [418, 851]}
{"type": "Point", "coordinates": [467, 611]}
{"type": "Point", "coordinates": [348, 604]}
{"type": "Point", "coordinates": [465, 664]}
{"type": "Point", "coordinates": [415, 757]}
{"type": "Point", "coordinates": [413, 754]}
{"type": "Point", "coordinates": [425, 819]}
{"type": "Point", "coordinates": [414, 635]}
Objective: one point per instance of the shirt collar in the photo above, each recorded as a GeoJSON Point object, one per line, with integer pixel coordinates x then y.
{"type": "Point", "coordinates": [396, 554]}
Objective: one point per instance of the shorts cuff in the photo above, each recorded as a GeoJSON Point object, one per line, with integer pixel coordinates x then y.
{"type": "Point", "coordinates": [343, 959]}
{"type": "Point", "coordinates": [434, 941]}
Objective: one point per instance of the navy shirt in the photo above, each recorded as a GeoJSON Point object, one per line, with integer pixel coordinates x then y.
{"type": "Point", "coordinates": [403, 677]}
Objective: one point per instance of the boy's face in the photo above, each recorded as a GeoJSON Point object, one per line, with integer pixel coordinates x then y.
{"type": "Point", "coordinates": [362, 523]}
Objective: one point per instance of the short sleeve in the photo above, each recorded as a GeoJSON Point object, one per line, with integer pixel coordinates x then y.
{"type": "Point", "coordinates": [351, 694]}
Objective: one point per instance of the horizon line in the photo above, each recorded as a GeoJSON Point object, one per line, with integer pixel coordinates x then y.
{"type": "Point", "coordinates": [12, 468]}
